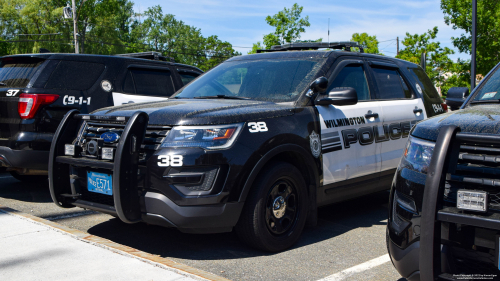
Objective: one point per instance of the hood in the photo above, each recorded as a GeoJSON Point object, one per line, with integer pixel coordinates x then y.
{"type": "Point", "coordinates": [478, 119]}
{"type": "Point", "coordinates": [201, 111]}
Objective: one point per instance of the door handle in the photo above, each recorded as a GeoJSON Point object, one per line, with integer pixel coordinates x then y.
{"type": "Point", "coordinates": [371, 115]}
{"type": "Point", "coordinates": [418, 110]}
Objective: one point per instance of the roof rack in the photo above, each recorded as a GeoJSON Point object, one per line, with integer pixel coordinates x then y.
{"type": "Point", "coordinates": [148, 56]}
{"type": "Point", "coordinates": [314, 46]}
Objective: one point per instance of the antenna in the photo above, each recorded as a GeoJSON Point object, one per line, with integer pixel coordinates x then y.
{"type": "Point", "coordinates": [328, 30]}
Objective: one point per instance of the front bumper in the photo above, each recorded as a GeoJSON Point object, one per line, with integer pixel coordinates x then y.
{"type": "Point", "coordinates": [143, 191]}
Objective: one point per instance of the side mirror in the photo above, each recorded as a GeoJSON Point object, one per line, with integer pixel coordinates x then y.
{"type": "Point", "coordinates": [319, 85]}
{"type": "Point", "coordinates": [339, 96]}
{"type": "Point", "coordinates": [456, 97]}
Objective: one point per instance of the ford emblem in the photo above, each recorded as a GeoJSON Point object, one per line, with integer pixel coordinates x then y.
{"type": "Point", "coordinates": [110, 137]}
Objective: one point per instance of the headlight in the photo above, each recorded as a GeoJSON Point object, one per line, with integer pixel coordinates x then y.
{"type": "Point", "coordinates": [207, 137]}
{"type": "Point", "coordinates": [417, 155]}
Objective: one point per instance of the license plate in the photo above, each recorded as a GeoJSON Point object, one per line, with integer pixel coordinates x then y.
{"type": "Point", "coordinates": [100, 183]}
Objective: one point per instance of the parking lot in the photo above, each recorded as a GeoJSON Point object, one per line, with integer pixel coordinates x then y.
{"type": "Point", "coordinates": [348, 243]}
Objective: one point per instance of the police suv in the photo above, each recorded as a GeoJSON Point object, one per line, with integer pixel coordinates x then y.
{"type": "Point", "coordinates": [37, 90]}
{"type": "Point", "coordinates": [256, 144]}
{"type": "Point", "coordinates": [444, 221]}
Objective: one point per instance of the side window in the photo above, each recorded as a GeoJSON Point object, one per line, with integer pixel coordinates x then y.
{"type": "Point", "coordinates": [147, 82]}
{"type": "Point", "coordinates": [352, 76]}
{"type": "Point", "coordinates": [187, 77]}
{"type": "Point", "coordinates": [74, 75]}
{"type": "Point", "coordinates": [390, 84]}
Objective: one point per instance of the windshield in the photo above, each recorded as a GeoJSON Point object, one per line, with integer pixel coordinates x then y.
{"type": "Point", "coordinates": [268, 80]}
{"type": "Point", "coordinates": [17, 73]}
{"type": "Point", "coordinates": [490, 90]}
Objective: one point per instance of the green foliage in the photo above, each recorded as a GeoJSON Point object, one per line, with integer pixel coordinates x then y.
{"type": "Point", "coordinates": [163, 33]}
{"type": "Point", "coordinates": [439, 65]}
{"type": "Point", "coordinates": [458, 14]}
{"type": "Point", "coordinates": [288, 26]}
{"type": "Point", "coordinates": [369, 43]}
{"type": "Point", "coordinates": [105, 27]}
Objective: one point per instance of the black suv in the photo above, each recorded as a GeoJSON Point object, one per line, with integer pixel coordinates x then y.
{"type": "Point", "coordinates": [257, 143]}
{"type": "Point", "coordinates": [36, 90]}
{"type": "Point", "coordinates": [444, 218]}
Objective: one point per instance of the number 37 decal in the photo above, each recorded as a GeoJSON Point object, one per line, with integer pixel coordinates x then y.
{"type": "Point", "coordinates": [170, 160]}
{"type": "Point", "coordinates": [256, 127]}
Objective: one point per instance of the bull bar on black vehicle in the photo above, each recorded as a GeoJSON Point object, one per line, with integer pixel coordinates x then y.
{"type": "Point", "coordinates": [442, 167]}
{"type": "Point", "coordinates": [124, 168]}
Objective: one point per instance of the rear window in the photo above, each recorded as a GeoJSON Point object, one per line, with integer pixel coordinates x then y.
{"type": "Point", "coordinates": [74, 75]}
{"type": "Point", "coordinates": [390, 84]}
{"type": "Point", "coordinates": [187, 77]}
{"type": "Point", "coordinates": [147, 82]}
{"type": "Point", "coordinates": [428, 88]}
{"type": "Point", "coordinates": [17, 72]}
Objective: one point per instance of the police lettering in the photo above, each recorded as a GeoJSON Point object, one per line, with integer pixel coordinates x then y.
{"type": "Point", "coordinates": [367, 135]}
{"type": "Point", "coordinates": [342, 122]}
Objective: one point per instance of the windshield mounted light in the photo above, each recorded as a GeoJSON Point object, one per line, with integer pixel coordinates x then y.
{"type": "Point", "coordinates": [206, 137]}
{"type": "Point", "coordinates": [417, 155]}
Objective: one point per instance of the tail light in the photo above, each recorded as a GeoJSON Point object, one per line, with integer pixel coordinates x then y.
{"type": "Point", "coordinates": [445, 107]}
{"type": "Point", "coordinates": [29, 104]}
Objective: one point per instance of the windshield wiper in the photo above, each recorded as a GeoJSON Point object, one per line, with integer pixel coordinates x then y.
{"type": "Point", "coordinates": [485, 101]}
{"type": "Point", "coordinates": [3, 84]}
{"type": "Point", "coordinates": [222, 97]}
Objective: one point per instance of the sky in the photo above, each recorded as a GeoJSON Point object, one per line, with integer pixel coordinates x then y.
{"type": "Point", "coordinates": [242, 23]}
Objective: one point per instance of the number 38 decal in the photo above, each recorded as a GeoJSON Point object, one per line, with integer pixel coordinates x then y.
{"type": "Point", "coordinates": [170, 160]}
{"type": "Point", "coordinates": [256, 127]}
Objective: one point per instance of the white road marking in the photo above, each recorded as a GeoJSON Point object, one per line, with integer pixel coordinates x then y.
{"type": "Point", "coordinates": [358, 268]}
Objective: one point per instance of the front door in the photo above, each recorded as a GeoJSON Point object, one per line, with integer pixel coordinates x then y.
{"type": "Point", "coordinates": [347, 132]}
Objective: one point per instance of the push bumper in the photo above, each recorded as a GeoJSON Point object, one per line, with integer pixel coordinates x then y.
{"type": "Point", "coordinates": [129, 201]}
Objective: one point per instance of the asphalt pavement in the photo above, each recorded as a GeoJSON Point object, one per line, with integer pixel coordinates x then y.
{"type": "Point", "coordinates": [347, 244]}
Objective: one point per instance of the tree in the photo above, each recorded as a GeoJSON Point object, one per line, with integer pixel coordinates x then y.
{"type": "Point", "coordinates": [369, 43]}
{"type": "Point", "coordinates": [185, 44]}
{"type": "Point", "coordinates": [458, 14]}
{"type": "Point", "coordinates": [288, 26]}
{"type": "Point", "coordinates": [100, 25]}
{"type": "Point", "coordinates": [438, 63]}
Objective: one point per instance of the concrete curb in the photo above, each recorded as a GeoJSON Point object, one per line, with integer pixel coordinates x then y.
{"type": "Point", "coordinates": [157, 261]}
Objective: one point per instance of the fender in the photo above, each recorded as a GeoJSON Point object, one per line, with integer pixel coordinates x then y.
{"type": "Point", "coordinates": [306, 156]}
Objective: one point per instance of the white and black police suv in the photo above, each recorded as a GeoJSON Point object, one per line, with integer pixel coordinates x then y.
{"type": "Point", "coordinates": [256, 144]}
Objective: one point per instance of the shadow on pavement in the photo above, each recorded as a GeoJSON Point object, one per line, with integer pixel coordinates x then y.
{"type": "Point", "coordinates": [10, 188]}
{"type": "Point", "coordinates": [333, 221]}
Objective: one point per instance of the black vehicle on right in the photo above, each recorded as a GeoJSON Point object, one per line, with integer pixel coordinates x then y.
{"type": "Point", "coordinates": [444, 208]}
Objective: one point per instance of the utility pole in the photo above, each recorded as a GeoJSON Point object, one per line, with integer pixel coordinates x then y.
{"type": "Point", "coordinates": [474, 39]}
{"type": "Point", "coordinates": [397, 46]}
{"type": "Point", "coordinates": [75, 28]}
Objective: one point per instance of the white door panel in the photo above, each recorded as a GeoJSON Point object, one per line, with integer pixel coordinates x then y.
{"type": "Point", "coordinates": [349, 152]}
{"type": "Point", "coordinates": [396, 114]}
{"type": "Point", "coordinates": [120, 98]}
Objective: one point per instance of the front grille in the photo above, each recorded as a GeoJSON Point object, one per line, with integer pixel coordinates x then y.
{"type": "Point", "coordinates": [92, 130]}
{"type": "Point", "coordinates": [478, 168]}
{"type": "Point", "coordinates": [469, 261]}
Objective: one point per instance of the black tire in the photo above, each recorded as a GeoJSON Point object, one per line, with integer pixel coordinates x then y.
{"type": "Point", "coordinates": [265, 222]}
{"type": "Point", "coordinates": [29, 179]}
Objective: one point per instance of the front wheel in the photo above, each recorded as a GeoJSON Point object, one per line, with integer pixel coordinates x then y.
{"type": "Point", "coordinates": [276, 209]}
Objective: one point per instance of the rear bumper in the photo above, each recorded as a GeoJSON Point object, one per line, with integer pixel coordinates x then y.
{"type": "Point", "coordinates": [27, 159]}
